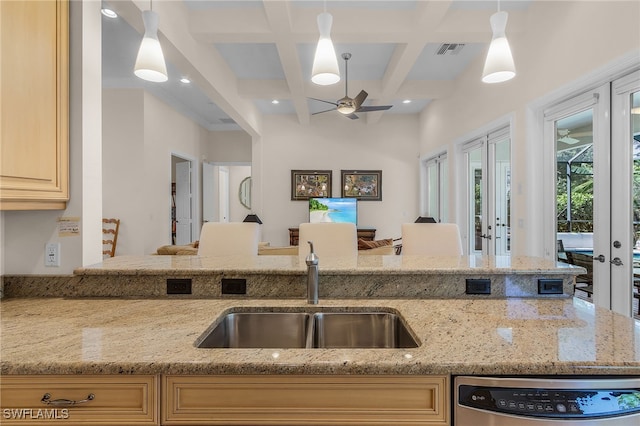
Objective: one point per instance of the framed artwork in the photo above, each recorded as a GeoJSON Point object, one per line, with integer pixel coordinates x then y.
{"type": "Point", "coordinates": [365, 185]}
{"type": "Point", "coordinates": [307, 184]}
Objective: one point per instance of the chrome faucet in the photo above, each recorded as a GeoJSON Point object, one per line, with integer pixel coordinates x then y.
{"type": "Point", "coordinates": [312, 276]}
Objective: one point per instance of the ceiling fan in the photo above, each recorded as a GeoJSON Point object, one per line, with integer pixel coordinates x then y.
{"type": "Point", "coordinates": [349, 106]}
{"type": "Point", "coordinates": [565, 138]}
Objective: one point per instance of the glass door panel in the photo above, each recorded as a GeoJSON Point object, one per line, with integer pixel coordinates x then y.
{"type": "Point", "coordinates": [625, 194]}
{"type": "Point", "coordinates": [475, 192]}
{"type": "Point", "coordinates": [500, 151]}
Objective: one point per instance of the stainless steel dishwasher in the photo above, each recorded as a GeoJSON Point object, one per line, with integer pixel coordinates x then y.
{"type": "Point", "coordinates": [546, 401]}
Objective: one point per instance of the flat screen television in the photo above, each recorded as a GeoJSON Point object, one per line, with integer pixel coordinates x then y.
{"type": "Point", "coordinates": [339, 210]}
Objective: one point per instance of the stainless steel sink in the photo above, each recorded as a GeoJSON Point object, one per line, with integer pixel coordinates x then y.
{"type": "Point", "coordinates": [308, 330]}
{"type": "Point", "coordinates": [360, 330]}
{"type": "Point", "coordinates": [259, 330]}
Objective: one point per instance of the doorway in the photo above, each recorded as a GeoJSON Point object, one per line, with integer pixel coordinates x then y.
{"type": "Point", "coordinates": [595, 137]}
{"type": "Point", "coordinates": [181, 200]}
{"type": "Point", "coordinates": [487, 181]}
{"type": "Point", "coordinates": [221, 200]}
{"type": "Point", "coordinates": [435, 172]}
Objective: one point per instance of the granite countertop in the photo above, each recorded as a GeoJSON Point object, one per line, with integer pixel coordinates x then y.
{"type": "Point", "coordinates": [364, 264]}
{"type": "Point", "coordinates": [156, 336]}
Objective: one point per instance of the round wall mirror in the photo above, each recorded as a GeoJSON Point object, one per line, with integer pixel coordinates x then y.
{"type": "Point", "coordinates": [244, 193]}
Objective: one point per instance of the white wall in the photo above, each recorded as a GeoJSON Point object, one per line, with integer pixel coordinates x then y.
{"type": "Point", "coordinates": [229, 146]}
{"type": "Point", "coordinates": [332, 142]}
{"type": "Point", "coordinates": [562, 41]}
{"type": "Point", "coordinates": [141, 133]}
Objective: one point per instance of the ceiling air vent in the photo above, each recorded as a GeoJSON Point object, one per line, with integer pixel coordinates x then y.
{"type": "Point", "coordinates": [450, 48]}
{"type": "Point", "coordinates": [228, 120]}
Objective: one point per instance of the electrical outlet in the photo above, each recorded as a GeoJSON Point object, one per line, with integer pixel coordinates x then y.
{"type": "Point", "coordinates": [52, 254]}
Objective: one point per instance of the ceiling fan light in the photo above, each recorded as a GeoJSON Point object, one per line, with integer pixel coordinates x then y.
{"type": "Point", "coordinates": [325, 69]}
{"type": "Point", "coordinates": [150, 63]}
{"type": "Point", "coordinates": [499, 65]}
{"type": "Point", "coordinates": [346, 109]}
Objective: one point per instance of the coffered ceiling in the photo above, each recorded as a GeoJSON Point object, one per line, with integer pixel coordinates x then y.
{"type": "Point", "coordinates": [401, 51]}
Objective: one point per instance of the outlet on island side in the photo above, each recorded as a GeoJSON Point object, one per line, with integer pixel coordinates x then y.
{"type": "Point", "coordinates": [478, 286]}
{"type": "Point", "coordinates": [178, 285]}
{"type": "Point", "coordinates": [550, 286]}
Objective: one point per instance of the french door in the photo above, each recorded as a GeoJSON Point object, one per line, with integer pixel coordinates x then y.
{"type": "Point", "coordinates": [597, 184]}
{"type": "Point", "coordinates": [488, 193]}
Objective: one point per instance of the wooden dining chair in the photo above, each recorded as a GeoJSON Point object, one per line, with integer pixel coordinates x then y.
{"type": "Point", "coordinates": [110, 229]}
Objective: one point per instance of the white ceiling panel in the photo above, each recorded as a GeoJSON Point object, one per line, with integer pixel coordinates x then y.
{"type": "Point", "coordinates": [268, 48]}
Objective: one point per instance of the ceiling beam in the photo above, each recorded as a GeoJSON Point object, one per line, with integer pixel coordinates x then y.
{"type": "Point", "coordinates": [278, 16]}
{"type": "Point", "coordinates": [201, 62]}
{"type": "Point", "coordinates": [428, 17]}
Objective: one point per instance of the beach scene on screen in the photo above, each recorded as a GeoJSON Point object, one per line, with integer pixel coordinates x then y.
{"type": "Point", "coordinates": [339, 210]}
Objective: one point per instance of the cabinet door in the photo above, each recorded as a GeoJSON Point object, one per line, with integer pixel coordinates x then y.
{"type": "Point", "coordinates": [34, 62]}
{"type": "Point", "coordinates": [79, 400]}
{"type": "Point", "coordinates": [300, 400]}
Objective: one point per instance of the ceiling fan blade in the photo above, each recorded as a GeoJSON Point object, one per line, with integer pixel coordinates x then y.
{"type": "Point", "coordinates": [352, 116]}
{"type": "Point", "coordinates": [374, 108]}
{"type": "Point", "coordinates": [320, 112]}
{"type": "Point", "coordinates": [326, 102]}
{"type": "Point", "coordinates": [360, 98]}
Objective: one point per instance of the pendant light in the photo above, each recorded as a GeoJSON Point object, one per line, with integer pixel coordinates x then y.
{"type": "Point", "coordinates": [499, 66]}
{"type": "Point", "coordinates": [150, 63]}
{"type": "Point", "coordinates": [325, 69]}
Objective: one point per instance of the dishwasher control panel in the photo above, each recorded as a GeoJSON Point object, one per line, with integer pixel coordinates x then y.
{"type": "Point", "coordinates": [551, 403]}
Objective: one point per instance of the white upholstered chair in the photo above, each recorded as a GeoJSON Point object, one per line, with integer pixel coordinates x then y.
{"type": "Point", "coordinates": [229, 239]}
{"type": "Point", "coordinates": [431, 239]}
{"type": "Point", "coordinates": [329, 239]}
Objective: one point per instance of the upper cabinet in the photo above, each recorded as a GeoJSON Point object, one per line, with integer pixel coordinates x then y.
{"type": "Point", "coordinates": [34, 105]}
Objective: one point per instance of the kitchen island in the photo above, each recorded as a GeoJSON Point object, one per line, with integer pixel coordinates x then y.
{"type": "Point", "coordinates": [134, 347]}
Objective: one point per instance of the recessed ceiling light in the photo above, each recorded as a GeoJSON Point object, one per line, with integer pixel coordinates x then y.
{"type": "Point", "coordinates": [185, 80]}
{"type": "Point", "coordinates": [406, 101]}
{"type": "Point", "coordinates": [109, 13]}
{"type": "Point", "coordinates": [275, 102]}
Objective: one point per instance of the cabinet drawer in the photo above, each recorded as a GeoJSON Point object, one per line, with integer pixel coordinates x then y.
{"type": "Point", "coordinates": [117, 400]}
{"type": "Point", "coordinates": [296, 400]}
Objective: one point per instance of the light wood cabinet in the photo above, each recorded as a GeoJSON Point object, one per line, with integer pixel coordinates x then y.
{"type": "Point", "coordinates": [298, 400]}
{"type": "Point", "coordinates": [34, 104]}
{"type": "Point", "coordinates": [98, 400]}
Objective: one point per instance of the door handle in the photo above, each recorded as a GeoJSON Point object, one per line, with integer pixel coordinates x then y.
{"type": "Point", "coordinates": [599, 258]}
{"type": "Point", "coordinates": [488, 237]}
{"type": "Point", "coordinates": [616, 261]}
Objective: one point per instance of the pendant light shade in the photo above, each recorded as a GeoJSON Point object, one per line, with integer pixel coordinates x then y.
{"type": "Point", "coordinates": [325, 69]}
{"type": "Point", "coordinates": [499, 66]}
{"type": "Point", "coordinates": [150, 63]}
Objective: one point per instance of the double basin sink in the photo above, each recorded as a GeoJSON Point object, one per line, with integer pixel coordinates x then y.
{"type": "Point", "coordinates": [308, 329]}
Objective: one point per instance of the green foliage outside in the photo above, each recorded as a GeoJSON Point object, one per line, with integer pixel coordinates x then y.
{"type": "Point", "coordinates": [316, 205]}
{"type": "Point", "coordinates": [581, 219]}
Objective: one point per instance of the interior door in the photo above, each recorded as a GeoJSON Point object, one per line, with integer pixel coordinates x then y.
{"type": "Point", "coordinates": [183, 203]}
{"type": "Point", "coordinates": [223, 194]}
{"type": "Point", "coordinates": [209, 192]}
